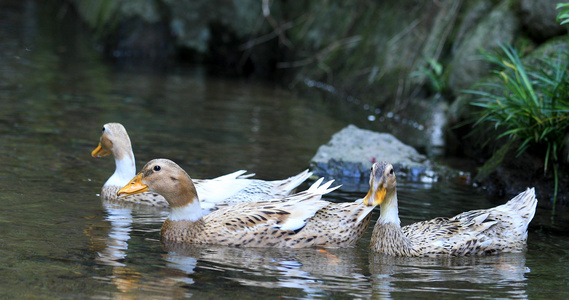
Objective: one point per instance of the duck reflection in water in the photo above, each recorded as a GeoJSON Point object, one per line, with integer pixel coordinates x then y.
{"type": "Point", "coordinates": [134, 279]}
{"type": "Point", "coordinates": [310, 270]}
{"type": "Point", "coordinates": [502, 275]}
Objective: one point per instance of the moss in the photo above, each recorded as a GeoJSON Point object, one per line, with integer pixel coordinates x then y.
{"type": "Point", "coordinates": [494, 162]}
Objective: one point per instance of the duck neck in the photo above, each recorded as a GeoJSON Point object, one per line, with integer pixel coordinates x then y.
{"type": "Point", "coordinates": [191, 211]}
{"type": "Point", "coordinates": [389, 212]}
{"type": "Point", "coordinates": [125, 170]}
{"type": "Point", "coordinates": [387, 236]}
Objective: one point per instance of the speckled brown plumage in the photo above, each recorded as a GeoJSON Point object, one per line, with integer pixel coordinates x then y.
{"type": "Point", "coordinates": [297, 221]}
{"type": "Point", "coordinates": [236, 187]}
{"type": "Point", "coordinates": [254, 225]}
{"type": "Point", "coordinates": [478, 232]}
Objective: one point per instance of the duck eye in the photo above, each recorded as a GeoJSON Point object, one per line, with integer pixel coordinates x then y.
{"type": "Point", "coordinates": [103, 129]}
{"type": "Point", "coordinates": [156, 168]}
{"type": "Point", "coordinates": [391, 171]}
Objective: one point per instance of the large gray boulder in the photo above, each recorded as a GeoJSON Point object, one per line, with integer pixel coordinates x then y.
{"type": "Point", "coordinates": [349, 155]}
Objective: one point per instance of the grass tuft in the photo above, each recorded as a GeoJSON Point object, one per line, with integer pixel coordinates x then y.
{"type": "Point", "coordinates": [530, 104]}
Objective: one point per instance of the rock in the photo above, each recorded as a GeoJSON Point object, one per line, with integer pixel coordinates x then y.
{"type": "Point", "coordinates": [550, 49]}
{"type": "Point", "coordinates": [369, 49]}
{"type": "Point", "coordinates": [499, 25]}
{"type": "Point", "coordinates": [349, 155]}
{"type": "Point", "coordinates": [132, 31]}
{"type": "Point", "coordinates": [191, 20]}
{"type": "Point", "coordinates": [365, 147]}
{"type": "Point", "coordinates": [539, 18]}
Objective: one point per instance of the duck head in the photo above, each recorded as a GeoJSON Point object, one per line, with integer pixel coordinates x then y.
{"type": "Point", "coordinates": [382, 183]}
{"type": "Point", "coordinates": [114, 140]}
{"type": "Point", "coordinates": [166, 178]}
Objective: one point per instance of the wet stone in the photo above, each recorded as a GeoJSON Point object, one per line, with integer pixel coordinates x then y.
{"type": "Point", "coordinates": [350, 153]}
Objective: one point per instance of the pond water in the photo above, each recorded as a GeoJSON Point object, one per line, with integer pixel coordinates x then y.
{"type": "Point", "coordinates": [58, 240]}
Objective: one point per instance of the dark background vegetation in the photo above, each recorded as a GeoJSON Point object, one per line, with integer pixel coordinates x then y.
{"type": "Point", "coordinates": [411, 58]}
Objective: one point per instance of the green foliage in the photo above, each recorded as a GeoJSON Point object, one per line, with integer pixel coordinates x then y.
{"type": "Point", "coordinates": [529, 104]}
{"type": "Point", "coordinates": [434, 72]}
{"type": "Point", "coordinates": [563, 16]}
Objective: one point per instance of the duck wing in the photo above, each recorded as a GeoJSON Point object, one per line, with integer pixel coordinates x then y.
{"type": "Point", "coordinates": [267, 223]}
{"type": "Point", "coordinates": [483, 231]}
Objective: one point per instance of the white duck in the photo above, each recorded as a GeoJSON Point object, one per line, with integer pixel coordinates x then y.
{"type": "Point", "coordinates": [228, 189]}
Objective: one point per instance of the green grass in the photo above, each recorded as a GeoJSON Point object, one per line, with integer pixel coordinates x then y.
{"type": "Point", "coordinates": [563, 16]}
{"type": "Point", "coordinates": [529, 104]}
{"type": "Point", "coordinates": [433, 71]}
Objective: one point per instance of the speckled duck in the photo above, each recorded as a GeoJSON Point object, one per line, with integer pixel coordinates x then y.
{"type": "Point", "coordinates": [477, 232]}
{"type": "Point", "coordinates": [296, 221]}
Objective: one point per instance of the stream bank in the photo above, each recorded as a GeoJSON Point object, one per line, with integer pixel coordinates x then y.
{"type": "Point", "coordinates": [385, 57]}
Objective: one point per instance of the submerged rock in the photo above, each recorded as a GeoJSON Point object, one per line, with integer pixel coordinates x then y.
{"type": "Point", "coordinates": [349, 155]}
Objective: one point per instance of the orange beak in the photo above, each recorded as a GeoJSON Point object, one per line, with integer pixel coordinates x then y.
{"type": "Point", "coordinates": [99, 152]}
{"type": "Point", "coordinates": [135, 186]}
{"type": "Point", "coordinates": [375, 197]}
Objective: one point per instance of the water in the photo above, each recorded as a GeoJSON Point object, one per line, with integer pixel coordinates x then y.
{"type": "Point", "coordinates": [59, 241]}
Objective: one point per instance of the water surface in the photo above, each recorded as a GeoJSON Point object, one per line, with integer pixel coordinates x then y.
{"type": "Point", "coordinates": [58, 240]}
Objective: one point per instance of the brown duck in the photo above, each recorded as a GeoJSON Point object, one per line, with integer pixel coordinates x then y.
{"type": "Point", "coordinates": [296, 221]}
{"type": "Point", "coordinates": [477, 232]}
